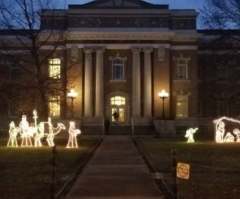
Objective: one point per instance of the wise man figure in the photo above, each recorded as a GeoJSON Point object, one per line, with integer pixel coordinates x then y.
{"type": "Point", "coordinates": [39, 135]}
{"type": "Point", "coordinates": [25, 132]}
{"type": "Point", "coordinates": [13, 132]}
{"type": "Point", "coordinates": [50, 135]}
{"type": "Point", "coordinates": [190, 135]}
{"type": "Point", "coordinates": [73, 133]}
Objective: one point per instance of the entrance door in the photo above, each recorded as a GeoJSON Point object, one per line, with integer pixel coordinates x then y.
{"type": "Point", "coordinates": [118, 109]}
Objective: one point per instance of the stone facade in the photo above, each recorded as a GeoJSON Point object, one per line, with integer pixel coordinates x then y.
{"type": "Point", "coordinates": [133, 50]}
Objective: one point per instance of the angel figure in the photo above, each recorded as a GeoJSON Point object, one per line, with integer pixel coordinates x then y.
{"type": "Point", "coordinates": [53, 132]}
{"type": "Point", "coordinates": [190, 134]}
{"type": "Point", "coordinates": [25, 132]}
{"type": "Point", "coordinates": [13, 133]}
{"type": "Point", "coordinates": [73, 133]}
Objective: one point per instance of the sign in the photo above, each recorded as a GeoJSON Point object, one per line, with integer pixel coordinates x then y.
{"type": "Point", "coordinates": [183, 171]}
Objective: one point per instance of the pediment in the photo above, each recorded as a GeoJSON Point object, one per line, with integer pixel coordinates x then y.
{"type": "Point", "coordinates": [134, 4]}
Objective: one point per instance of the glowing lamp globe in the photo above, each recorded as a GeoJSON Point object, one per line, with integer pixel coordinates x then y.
{"type": "Point", "coordinates": [72, 94]}
{"type": "Point", "coordinates": [163, 94]}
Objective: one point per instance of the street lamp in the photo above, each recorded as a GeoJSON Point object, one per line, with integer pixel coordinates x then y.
{"type": "Point", "coordinates": [163, 95]}
{"type": "Point", "coordinates": [72, 94]}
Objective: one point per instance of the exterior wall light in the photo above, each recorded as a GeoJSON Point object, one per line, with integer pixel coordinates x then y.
{"type": "Point", "coordinates": [72, 94]}
{"type": "Point", "coordinates": [163, 94]}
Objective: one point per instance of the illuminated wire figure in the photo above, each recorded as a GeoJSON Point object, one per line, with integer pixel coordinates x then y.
{"type": "Point", "coordinates": [39, 135]}
{"type": "Point", "coordinates": [53, 132]}
{"type": "Point", "coordinates": [236, 132]}
{"type": "Point", "coordinates": [229, 138]}
{"type": "Point", "coordinates": [221, 135]}
{"type": "Point", "coordinates": [190, 134]}
{"type": "Point", "coordinates": [13, 133]}
{"type": "Point", "coordinates": [220, 131]}
{"type": "Point", "coordinates": [26, 132]}
{"type": "Point", "coordinates": [73, 133]}
{"type": "Point", "coordinates": [38, 130]}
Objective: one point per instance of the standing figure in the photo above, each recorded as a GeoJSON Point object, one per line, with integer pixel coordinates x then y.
{"type": "Point", "coordinates": [25, 132]}
{"type": "Point", "coordinates": [220, 131]}
{"type": "Point", "coordinates": [38, 130]}
{"type": "Point", "coordinates": [73, 133]}
{"type": "Point", "coordinates": [53, 132]}
{"type": "Point", "coordinates": [50, 135]}
{"type": "Point", "coordinates": [39, 134]}
{"type": "Point", "coordinates": [13, 132]}
{"type": "Point", "coordinates": [236, 132]}
{"type": "Point", "coordinates": [190, 134]}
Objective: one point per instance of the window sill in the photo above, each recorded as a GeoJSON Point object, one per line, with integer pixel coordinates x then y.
{"type": "Point", "coordinates": [118, 81]}
{"type": "Point", "coordinates": [182, 80]}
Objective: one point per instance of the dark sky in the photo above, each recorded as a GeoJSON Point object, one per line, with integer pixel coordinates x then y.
{"type": "Point", "coordinates": [196, 4]}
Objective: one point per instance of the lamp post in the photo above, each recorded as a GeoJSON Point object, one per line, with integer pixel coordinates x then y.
{"type": "Point", "coordinates": [163, 95]}
{"type": "Point", "coordinates": [72, 94]}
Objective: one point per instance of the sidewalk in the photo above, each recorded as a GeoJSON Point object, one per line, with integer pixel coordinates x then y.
{"type": "Point", "coordinates": [116, 171]}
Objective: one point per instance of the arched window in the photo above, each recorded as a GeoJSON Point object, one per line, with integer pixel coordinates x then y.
{"type": "Point", "coordinates": [118, 101]}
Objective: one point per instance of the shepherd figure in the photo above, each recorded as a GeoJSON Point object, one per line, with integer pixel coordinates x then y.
{"type": "Point", "coordinates": [13, 133]}
{"type": "Point", "coordinates": [73, 133]}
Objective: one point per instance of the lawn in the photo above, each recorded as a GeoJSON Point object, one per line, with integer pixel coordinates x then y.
{"type": "Point", "coordinates": [215, 169]}
{"type": "Point", "coordinates": [25, 173]}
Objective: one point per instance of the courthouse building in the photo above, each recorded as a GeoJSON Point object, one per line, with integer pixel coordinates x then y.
{"type": "Point", "coordinates": [122, 54]}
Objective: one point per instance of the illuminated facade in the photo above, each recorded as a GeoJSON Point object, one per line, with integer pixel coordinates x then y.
{"type": "Point", "coordinates": [122, 53]}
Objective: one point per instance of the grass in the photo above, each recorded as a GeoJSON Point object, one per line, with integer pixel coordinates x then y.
{"type": "Point", "coordinates": [215, 169]}
{"type": "Point", "coordinates": [25, 173]}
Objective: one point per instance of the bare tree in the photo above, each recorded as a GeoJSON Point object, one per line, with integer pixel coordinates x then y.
{"type": "Point", "coordinates": [22, 19]}
{"type": "Point", "coordinates": [221, 14]}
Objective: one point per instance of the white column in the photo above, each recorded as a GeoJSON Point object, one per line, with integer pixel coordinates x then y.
{"type": "Point", "coordinates": [99, 84]}
{"type": "Point", "coordinates": [136, 83]}
{"type": "Point", "coordinates": [88, 85]}
{"type": "Point", "coordinates": [147, 83]}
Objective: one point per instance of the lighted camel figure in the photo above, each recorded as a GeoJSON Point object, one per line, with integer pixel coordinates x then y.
{"type": "Point", "coordinates": [26, 132]}
{"type": "Point", "coordinates": [73, 133]}
{"type": "Point", "coordinates": [53, 132]}
{"type": "Point", "coordinates": [190, 134]}
{"type": "Point", "coordinates": [13, 133]}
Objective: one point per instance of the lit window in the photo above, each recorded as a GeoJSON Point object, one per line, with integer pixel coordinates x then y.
{"type": "Point", "coordinates": [182, 106]}
{"type": "Point", "coordinates": [118, 101]}
{"type": "Point", "coordinates": [54, 106]}
{"type": "Point", "coordinates": [118, 69]}
{"type": "Point", "coordinates": [54, 68]}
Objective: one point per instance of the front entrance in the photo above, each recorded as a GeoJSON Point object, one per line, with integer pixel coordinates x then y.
{"type": "Point", "coordinates": [118, 109]}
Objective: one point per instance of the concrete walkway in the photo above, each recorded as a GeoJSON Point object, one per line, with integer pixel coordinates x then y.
{"type": "Point", "coordinates": [116, 171]}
